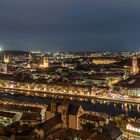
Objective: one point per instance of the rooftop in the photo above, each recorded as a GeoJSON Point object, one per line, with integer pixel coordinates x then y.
{"type": "Point", "coordinates": [7, 114]}
{"type": "Point", "coordinates": [112, 131]}
{"type": "Point", "coordinates": [91, 117]}
{"type": "Point", "coordinates": [30, 116]}
{"type": "Point", "coordinates": [135, 124]}
{"type": "Point", "coordinates": [132, 82]}
{"type": "Point", "coordinates": [51, 123]}
{"type": "Point", "coordinates": [20, 108]}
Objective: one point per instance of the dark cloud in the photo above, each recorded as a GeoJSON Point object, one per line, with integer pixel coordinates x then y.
{"type": "Point", "coordinates": [73, 25]}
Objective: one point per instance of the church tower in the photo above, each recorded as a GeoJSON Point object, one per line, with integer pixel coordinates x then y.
{"type": "Point", "coordinates": [64, 114]}
{"type": "Point", "coordinates": [6, 58]}
{"type": "Point", "coordinates": [53, 106]}
{"type": "Point", "coordinates": [4, 65]}
{"type": "Point", "coordinates": [134, 68]}
{"type": "Point", "coordinates": [45, 62]}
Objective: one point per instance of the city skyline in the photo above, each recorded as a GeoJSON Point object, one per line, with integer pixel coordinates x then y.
{"type": "Point", "coordinates": [52, 95]}
{"type": "Point", "coordinates": [69, 70]}
{"type": "Point", "coordinates": [70, 25]}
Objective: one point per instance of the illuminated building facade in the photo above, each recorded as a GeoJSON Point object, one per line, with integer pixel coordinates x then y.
{"type": "Point", "coordinates": [4, 65]}
{"type": "Point", "coordinates": [7, 118]}
{"type": "Point", "coordinates": [134, 92]}
{"type": "Point", "coordinates": [6, 58]}
{"type": "Point", "coordinates": [134, 68]}
{"type": "Point", "coordinates": [135, 127]}
{"type": "Point", "coordinates": [45, 63]}
{"type": "Point", "coordinates": [103, 61]}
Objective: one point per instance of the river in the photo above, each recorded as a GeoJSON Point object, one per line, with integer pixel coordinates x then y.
{"type": "Point", "coordinates": [107, 107]}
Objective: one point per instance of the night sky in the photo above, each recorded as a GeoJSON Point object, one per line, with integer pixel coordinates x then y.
{"type": "Point", "coordinates": [70, 25]}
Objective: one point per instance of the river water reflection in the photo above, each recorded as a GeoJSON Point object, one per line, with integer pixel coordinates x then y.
{"type": "Point", "coordinates": [108, 107]}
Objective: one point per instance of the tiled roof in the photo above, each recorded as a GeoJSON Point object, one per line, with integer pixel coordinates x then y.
{"type": "Point", "coordinates": [7, 114]}
{"type": "Point", "coordinates": [20, 108]}
{"type": "Point", "coordinates": [112, 131]}
{"type": "Point", "coordinates": [30, 116]}
{"type": "Point", "coordinates": [132, 82]}
{"type": "Point", "coordinates": [92, 117]}
{"type": "Point", "coordinates": [101, 137]}
{"type": "Point", "coordinates": [73, 109]}
{"type": "Point", "coordinates": [51, 123]}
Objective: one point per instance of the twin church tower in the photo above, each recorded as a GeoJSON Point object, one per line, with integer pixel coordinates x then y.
{"type": "Point", "coordinates": [4, 64]}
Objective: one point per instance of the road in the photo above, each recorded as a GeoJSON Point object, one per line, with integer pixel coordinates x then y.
{"type": "Point", "coordinates": [71, 96]}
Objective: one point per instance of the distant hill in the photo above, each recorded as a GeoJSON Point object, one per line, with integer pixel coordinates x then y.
{"type": "Point", "coordinates": [13, 52]}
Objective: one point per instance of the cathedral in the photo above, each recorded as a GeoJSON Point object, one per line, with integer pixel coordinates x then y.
{"type": "Point", "coordinates": [4, 64]}
{"type": "Point", "coordinates": [45, 63]}
{"type": "Point", "coordinates": [71, 115]}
